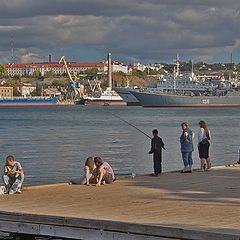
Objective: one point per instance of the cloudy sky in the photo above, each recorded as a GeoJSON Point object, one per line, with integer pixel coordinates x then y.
{"type": "Point", "coordinates": [133, 30]}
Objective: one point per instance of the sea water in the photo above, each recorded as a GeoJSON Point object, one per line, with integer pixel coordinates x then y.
{"type": "Point", "coordinates": [52, 143]}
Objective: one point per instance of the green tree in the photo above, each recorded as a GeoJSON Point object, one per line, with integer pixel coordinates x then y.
{"type": "Point", "coordinates": [13, 84]}
{"type": "Point", "coordinates": [162, 71]}
{"type": "Point", "coordinates": [120, 73]}
{"type": "Point", "coordinates": [38, 91]}
{"type": "Point", "coordinates": [92, 71]}
{"type": "Point", "coordinates": [139, 74]}
{"type": "Point", "coordinates": [49, 74]}
{"type": "Point", "coordinates": [2, 71]}
{"type": "Point", "coordinates": [36, 73]}
{"type": "Point", "coordinates": [150, 71]}
{"type": "Point", "coordinates": [16, 77]}
{"type": "Point", "coordinates": [61, 83]}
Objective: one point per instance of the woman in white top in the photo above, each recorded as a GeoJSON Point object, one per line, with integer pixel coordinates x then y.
{"type": "Point", "coordinates": [89, 173]}
{"type": "Point", "coordinates": [203, 145]}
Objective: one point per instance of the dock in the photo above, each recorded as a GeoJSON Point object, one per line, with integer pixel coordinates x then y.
{"type": "Point", "coordinates": [189, 206]}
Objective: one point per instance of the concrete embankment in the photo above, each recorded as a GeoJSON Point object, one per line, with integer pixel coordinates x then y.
{"type": "Point", "coordinates": [198, 205]}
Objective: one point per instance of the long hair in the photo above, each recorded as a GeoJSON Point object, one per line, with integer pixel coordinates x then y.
{"type": "Point", "coordinates": [98, 161]}
{"type": "Point", "coordinates": [203, 125]}
{"type": "Point", "coordinates": [186, 124]}
{"type": "Point", "coordinates": [90, 163]}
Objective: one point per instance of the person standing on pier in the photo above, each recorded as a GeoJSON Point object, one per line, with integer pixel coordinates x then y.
{"type": "Point", "coordinates": [203, 145]}
{"type": "Point", "coordinates": [13, 175]}
{"type": "Point", "coordinates": [156, 148]}
{"type": "Point", "coordinates": [186, 141]}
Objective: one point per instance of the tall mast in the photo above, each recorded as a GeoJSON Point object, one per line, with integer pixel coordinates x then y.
{"type": "Point", "coordinates": [177, 65]}
{"type": "Point", "coordinates": [231, 60]}
{"type": "Point", "coordinates": [174, 79]}
{"type": "Point", "coordinates": [192, 73]}
{"type": "Point", "coordinates": [176, 72]}
{"type": "Point", "coordinates": [12, 51]}
{"type": "Point", "coordinates": [109, 71]}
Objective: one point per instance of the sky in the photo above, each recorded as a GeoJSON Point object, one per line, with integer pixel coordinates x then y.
{"type": "Point", "coordinates": [132, 30]}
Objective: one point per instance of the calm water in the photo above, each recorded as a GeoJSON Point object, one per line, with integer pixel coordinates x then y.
{"type": "Point", "coordinates": [52, 143]}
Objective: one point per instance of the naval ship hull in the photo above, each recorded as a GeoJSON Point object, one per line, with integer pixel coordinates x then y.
{"type": "Point", "coordinates": [127, 96]}
{"type": "Point", "coordinates": [168, 100]}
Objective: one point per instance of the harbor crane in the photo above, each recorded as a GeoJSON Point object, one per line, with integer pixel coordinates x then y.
{"type": "Point", "coordinates": [73, 91]}
{"type": "Point", "coordinates": [95, 87]}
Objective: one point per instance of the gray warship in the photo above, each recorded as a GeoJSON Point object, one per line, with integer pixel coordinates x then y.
{"type": "Point", "coordinates": [228, 98]}
{"type": "Point", "coordinates": [190, 91]}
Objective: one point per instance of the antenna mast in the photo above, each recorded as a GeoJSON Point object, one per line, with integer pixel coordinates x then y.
{"type": "Point", "coordinates": [12, 51]}
{"type": "Point", "coordinates": [110, 71]}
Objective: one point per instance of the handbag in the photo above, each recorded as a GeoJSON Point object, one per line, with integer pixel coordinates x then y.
{"type": "Point", "coordinates": [204, 141]}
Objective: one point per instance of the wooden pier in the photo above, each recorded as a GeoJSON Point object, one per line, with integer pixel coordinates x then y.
{"type": "Point", "coordinates": [194, 206]}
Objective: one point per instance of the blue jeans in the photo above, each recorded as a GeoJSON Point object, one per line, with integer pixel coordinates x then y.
{"type": "Point", "coordinates": [187, 158]}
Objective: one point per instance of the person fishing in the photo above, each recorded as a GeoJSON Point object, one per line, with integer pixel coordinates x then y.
{"type": "Point", "coordinates": [156, 148]}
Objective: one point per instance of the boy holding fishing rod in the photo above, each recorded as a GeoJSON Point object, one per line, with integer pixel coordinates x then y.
{"type": "Point", "coordinates": [156, 148]}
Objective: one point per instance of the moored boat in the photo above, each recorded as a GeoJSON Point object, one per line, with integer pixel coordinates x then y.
{"type": "Point", "coordinates": [190, 91]}
{"type": "Point", "coordinates": [18, 101]}
{"type": "Point", "coordinates": [230, 99]}
{"type": "Point", "coordinates": [108, 97]}
{"type": "Point", "coordinates": [126, 95]}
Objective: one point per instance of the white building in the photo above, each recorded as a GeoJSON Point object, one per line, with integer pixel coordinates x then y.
{"type": "Point", "coordinates": [138, 66]}
{"type": "Point", "coordinates": [25, 89]}
{"type": "Point", "coordinates": [59, 69]}
{"type": "Point", "coordinates": [142, 67]}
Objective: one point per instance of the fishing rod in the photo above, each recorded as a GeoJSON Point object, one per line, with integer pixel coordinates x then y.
{"type": "Point", "coordinates": [130, 124]}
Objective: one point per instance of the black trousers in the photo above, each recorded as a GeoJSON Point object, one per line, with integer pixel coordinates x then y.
{"type": "Point", "coordinates": [157, 163]}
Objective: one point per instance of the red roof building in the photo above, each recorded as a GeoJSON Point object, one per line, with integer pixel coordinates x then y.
{"type": "Point", "coordinates": [28, 69]}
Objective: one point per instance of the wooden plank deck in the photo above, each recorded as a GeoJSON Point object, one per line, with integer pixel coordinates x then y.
{"type": "Point", "coordinates": [172, 206]}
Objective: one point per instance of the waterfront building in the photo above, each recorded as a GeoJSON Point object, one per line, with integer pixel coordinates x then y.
{"type": "Point", "coordinates": [142, 67]}
{"type": "Point", "coordinates": [29, 69]}
{"type": "Point", "coordinates": [138, 66]}
{"type": "Point", "coordinates": [52, 92]}
{"type": "Point", "coordinates": [6, 92]}
{"type": "Point", "coordinates": [25, 89]}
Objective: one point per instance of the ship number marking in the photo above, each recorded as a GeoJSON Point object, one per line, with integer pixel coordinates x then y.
{"type": "Point", "coordinates": [205, 101]}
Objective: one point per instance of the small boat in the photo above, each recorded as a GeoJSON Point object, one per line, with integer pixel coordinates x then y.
{"type": "Point", "coordinates": [109, 97]}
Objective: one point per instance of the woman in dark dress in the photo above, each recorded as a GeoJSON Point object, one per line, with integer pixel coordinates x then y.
{"type": "Point", "coordinates": [203, 145]}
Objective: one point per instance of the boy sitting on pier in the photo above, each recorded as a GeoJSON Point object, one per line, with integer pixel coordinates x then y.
{"type": "Point", "coordinates": [13, 175]}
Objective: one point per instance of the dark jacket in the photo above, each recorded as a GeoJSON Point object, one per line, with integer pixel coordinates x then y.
{"type": "Point", "coordinates": [156, 145]}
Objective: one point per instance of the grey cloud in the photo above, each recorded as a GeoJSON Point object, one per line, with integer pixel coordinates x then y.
{"type": "Point", "coordinates": [30, 8]}
{"type": "Point", "coordinates": [146, 30]}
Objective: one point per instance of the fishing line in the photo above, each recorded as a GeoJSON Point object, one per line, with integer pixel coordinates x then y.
{"type": "Point", "coordinates": [130, 124]}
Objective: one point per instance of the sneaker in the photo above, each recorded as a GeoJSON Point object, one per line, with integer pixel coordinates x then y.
{"type": "Point", "coordinates": [2, 190]}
